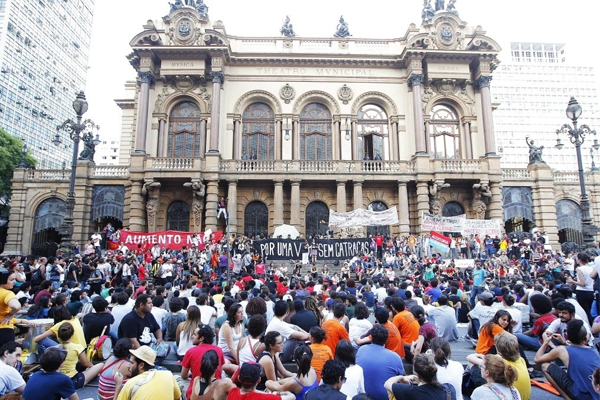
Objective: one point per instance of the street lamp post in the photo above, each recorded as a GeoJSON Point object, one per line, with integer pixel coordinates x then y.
{"type": "Point", "coordinates": [77, 130]}
{"type": "Point", "coordinates": [577, 136]}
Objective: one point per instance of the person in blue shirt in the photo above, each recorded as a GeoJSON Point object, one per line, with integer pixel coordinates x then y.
{"type": "Point", "coordinates": [479, 275]}
{"type": "Point", "coordinates": [378, 363]}
{"type": "Point", "coordinates": [49, 384]}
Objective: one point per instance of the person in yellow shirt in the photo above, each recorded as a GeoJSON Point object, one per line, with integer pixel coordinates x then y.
{"type": "Point", "coordinates": [47, 339]}
{"type": "Point", "coordinates": [9, 306]}
{"type": "Point", "coordinates": [75, 353]}
{"type": "Point", "coordinates": [146, 383]}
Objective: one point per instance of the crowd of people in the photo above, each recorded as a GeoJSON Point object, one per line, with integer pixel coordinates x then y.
{"type": "Point", "coordinates": [243, 326]}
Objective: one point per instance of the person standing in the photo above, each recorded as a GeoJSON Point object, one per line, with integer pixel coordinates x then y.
{"type": "Point", "coordinates": [146, 383]}
{"type": "Point", "coordinates": [585, 284]}
{"type": "Point", "coordinates": [97, 242]}
{"type": "Point", "coordinates": [479, 275]}
{"type": "Point", "coordinates": [9, 306]}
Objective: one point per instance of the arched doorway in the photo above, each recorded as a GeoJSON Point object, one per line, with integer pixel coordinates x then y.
{"type": "Point", "coordinates": [452, 209]}
{"type": "Point", "coordinates": [373, 230]}
{"type": "Point", "coordinates": [256, 220]}
{"type": "Point", "coordinates": [316, 219]}
{"type": "Point", "coordinates": [49, 215]}
{"type": "Point", "coordinates": [568, 217]}
{"type": "Point", "coordinates": [518, 209]}
{"type": "Point", "coordinates": [178, 216]}
{"type": "Point", "coordinates": [107, 208]}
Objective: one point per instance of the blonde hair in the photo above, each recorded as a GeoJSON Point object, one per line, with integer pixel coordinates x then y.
{"type": "Point", "coordinates": [508, 346]}
{"type": "Point", "coordinates": [500, 371]}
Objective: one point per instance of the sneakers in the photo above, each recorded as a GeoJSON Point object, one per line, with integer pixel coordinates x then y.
{"type": "Point", "coordinates": [470, 341]}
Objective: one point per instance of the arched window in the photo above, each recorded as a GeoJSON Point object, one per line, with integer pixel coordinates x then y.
{"type": "Point", "coordinates": [374, 230]}
{"type": "Point", "coordinates": [178, 216]}
{"type": "Point", "coordinates": [444, 135]}
{"type": "Point", "coordinates": [372, 128]}
{"type": "Point", "coordinates": [184, 131]}
{"type": "Point", "coordinates": [256, 220]}
{"type": "Point", "coordinates": [258, 132]}
{"type": "Point", "coordinates": [315, 132]}
{"type": "Point", "coordinates": [49, 216]}
{"type": "Point", "coordinates": [452, 209]}
{"type": "Point", "coordinates": [568, 216]}
{"type": "Point", "coordinates": [317, 219]}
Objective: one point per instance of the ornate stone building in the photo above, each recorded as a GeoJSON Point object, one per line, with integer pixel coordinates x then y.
{"type": "Point", "coordinates": [287, 128]}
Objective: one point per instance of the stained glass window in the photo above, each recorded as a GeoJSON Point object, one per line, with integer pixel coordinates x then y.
{"type": "Point", "coordinates": [178, 216]}
{"type": "Point", "coordinates": [184, 131]}
{"type": "Point", "coordinates": [256, 220]}
{"type": "Point", "coordinates": [444, 134]}
{"type": "Point", "coordinates": [372, 128]}
{"type": "Point", "coordinates": [315, 132]}
{"type": "Point", "coordinates": [258, 132]}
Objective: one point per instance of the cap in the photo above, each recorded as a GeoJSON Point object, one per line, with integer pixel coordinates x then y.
{"type": "Point", "coordinates": [288, 297]}
{"type": "Point", "coordinates": [250, 373]}
{"type": "Point", "coordinates": [145, 353]}
{"type": "Point", "coordinates": [485, 296]}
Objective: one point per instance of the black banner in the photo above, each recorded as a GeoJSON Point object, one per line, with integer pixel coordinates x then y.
{"type": "Point", "coordinates": [328, 249]}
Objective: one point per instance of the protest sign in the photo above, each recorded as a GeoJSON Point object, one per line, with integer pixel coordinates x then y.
{"type": "Point", "coordinates": [439, 241]}
{"type": "Point", "coordinates": [173, 240]}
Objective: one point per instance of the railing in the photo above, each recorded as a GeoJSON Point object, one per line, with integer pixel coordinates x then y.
{"type": "Point", "coordinates": [568, 177]}
{"type": "Point", "coordinates": [172, 163]}
{"type": "Point", "coordinates": [111, 171]}
{"type": "Point", "coordinates": [521, 173]}
{"type": "Point", "coordinates": [460, 165]}
{"type": "Point", "coordinates": [48, 174]}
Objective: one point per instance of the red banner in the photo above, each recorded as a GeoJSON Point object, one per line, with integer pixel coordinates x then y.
{"type": "Point", "coordinates": [173, 240]}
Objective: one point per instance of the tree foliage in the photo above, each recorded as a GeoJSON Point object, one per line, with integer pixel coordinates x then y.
{"type": "Point", "coordinates": [11, 149]}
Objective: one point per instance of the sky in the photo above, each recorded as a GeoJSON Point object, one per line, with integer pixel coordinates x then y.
{"type": "Point", "coordinates": [116, 22]}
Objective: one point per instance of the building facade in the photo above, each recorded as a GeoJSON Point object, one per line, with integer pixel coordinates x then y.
{"type": "Point", "coordinates": [44, 48]}
{"type": "Point", "coordinates": [286, 128]}
{"type": "Point", "coordinates": [532, 87]}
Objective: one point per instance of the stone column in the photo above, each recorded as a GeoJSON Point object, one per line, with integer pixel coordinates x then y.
{"type": "Point", "coordinates": [403, 210]}
{"type": "Point", "coordinates": [358, 194]}
{"type": "Point", "coordinates": [203, 136]}
{"type": "Point", "coordinates": [16, 242]}
{"type": "Point", "coordinates": [468, 141]}
{"type": "Point", "coordinates": [483, 85]}
{"type": "Point", "coordinates": [212, 198]}
{"type": "Point", "coordinates": [236, 139]}
{"type": "Point", "coordinates": [296, 140]}
{"type": "Point", "coordinates": [495, 207]}
{"type": "Point", "coordinates": [341, 195]}
{"type": "Point", "coordinates": [278, 140]}
{"type": "Point", "coordinates": [295, 204]}
{"type": "Point", "coordinates": [395, 156]}
{"type": "Point", "coordinates": [414, 82]}
{"type": "Point", "coordinates": [278, 202]}
{"type": "Point", "coordinates": [355, 155]}
{"type": "Point", "coordinates": [422, 202]}
{"type": "Point", "coordinates": [232, 205]}
{"type": "Point", "coordinates": [161, 151]}
{"type": "Point", "coordinates": [335, 141]}
{"type": "Point", "coordinates": [215, 114]}
{"type": "Point", "coordinates": [147, 79]}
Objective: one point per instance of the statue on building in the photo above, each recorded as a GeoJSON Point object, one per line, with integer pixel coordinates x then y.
{"type": "Point", "coordinates": [535, 152]}
{"type": "Point", "coordinates": [342, 29]}
{"type": "Point", "coordinates": [198, 192]}
{"type": "Point", "coordinates": [151, 190]}
{"type": "Point", "coordinates": [89, 148]}
{"type": "Point", "coordinates": [200, 7]}
{"type": "Point", "coordinates": [428, 11]}
{"type": "Point", "coordinates": [176, 6]}
{"type": "Point", "coordinates": [451, 8]}
{"type": "Point", "coordinates": [481, 197]}
{"type": "Point", "coordinates": [287, 29]}
{"type": "Point", "coordinates": [439, 5]}
{"type": "Point", "coordinates": [435, 204]}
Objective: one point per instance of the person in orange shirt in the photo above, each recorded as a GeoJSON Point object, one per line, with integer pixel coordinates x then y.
{"type": "Point", "coordinates": [394, 340]}
{"type": "Point", "coordinates": [334, 330]}
{"type": "Point", "coordinates": [405, 321]}
{"type": "Point", "coordinates": [502, 322]}
{"type": "Point", "coordinates": [321, 352]}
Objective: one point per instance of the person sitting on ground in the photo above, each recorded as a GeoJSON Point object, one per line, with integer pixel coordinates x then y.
{"type": "Point", "coordinates": [360, 324]}
{"type": "Point", "coordinates": [407, 325]}
{"type": "Point", "coordinates": [185, 331]}
{"type": "Point", "coordinates": [355, 379]}
{"type": "Point", "coordinates": [205, 385]}
{"type": "Point", "coordinates": [500, 378]}
{"type": "Point", "coordinates": [173, 319]}
{"type": "Point", "coordinates": [449, 371]}
{"type": "Point", "coordinates": [292, 334]}
{"type": "Point", "coordinates": [502, 322]}
{"type": "Point", "coordinates": [118, 362]}
{"type": "Point", "coordinates": [444, 318]}
{"type": "Point", "coordinates": [270, 361]}
{"type": "Point", "coordinates": [532, 339]}
{"type": "Point", "coordinates": [321, 352]}
{"type": "Point", "coordinates": [428, 387]}
{"type": "Point", "coordinates": [333, 380]}
{"type": "Point", "coordinates": [305, 379]}
{"type": "Point", "coordinates": [10, 379]}
{"type": "Point", "coordinates": [249, 377]}
{"type": "Point", "coordinates": [76, 353]}
{"type": "Point", "coordinates": [251, 346]}
{"type": "Point", "coordinates": [334, 329]}
{"type": "Point", "coordinates": [427, 333]}
{"type": "Point", "coordinates": [507, 346]}
{"type": "Point", "coordinates": [49, 384]}
{"type": "Point", "coordinates": [579, 358]}
{"type": "Point", "coordinates": [61, 314]}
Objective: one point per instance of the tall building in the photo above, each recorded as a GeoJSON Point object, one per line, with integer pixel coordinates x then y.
{"type": "Point", "coordinates": [107, 152]}
{"type": "Point", "coordinates": [532, 86]}
{"type": "Point", "coordinates": [44, 48]}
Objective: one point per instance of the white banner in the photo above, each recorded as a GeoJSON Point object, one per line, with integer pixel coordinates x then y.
{"type": "Point", "coordinates": [432, 222]}
{"type": "Point", "coordinates": [362, 217]}
{"type": "Point", "coordinates": [482, 227]}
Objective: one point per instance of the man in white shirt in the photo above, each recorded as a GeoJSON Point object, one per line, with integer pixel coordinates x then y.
{"type": "Point", "coordinates": [10, 379]}
{"type": "Point", "coordinates": [97, 242]}
{"type": "Point", "coordinates": [155, 251]}
{"type": "Point", "coordinates": [566, 312]}
{"type": "Point", "coordinates": [381, 294]}
{"type": "Point", "coordinates": [121, 309]}
{"type": "Point", "coordinates": [292, 334]}
{"type": "Point", "coordinates": [481, 313]}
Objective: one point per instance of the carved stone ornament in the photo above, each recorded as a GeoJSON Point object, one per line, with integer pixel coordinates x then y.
{"type": "Point", "coordinates": [287, 93]}
{"type": "Point", "coordinates": [345, 94]}
{"type": "Point", "coordinates": [184, 27]}
{"type": "Point", "coordinates": [343, 45]}
{"type": "Point", "coordinates": [184, 83]}
{"type": "Point", "coordinates": [445, 87]}
{"type": "Point", "coordinates": [447, 37]}
{"type": "Point", "coordinates": [146, 77]}
{"type": "Point", "coordinates": [288, 44]}
{"type": "Point", "coordinates": [256, 194]}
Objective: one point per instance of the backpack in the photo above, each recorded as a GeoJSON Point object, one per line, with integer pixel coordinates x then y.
{"type": "Point", "coordinates": [157, 270]}
{"type": "Point", "coordinates": [36, 277]}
